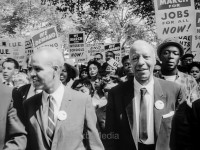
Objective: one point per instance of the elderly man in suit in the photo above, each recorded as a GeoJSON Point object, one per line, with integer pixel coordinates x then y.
{"type": "Point", "coordinates": [59, 117]}
{"type": "Point", "coordinates": [12, 131]}
{"type": "Point", "coordinates": [140, 110]}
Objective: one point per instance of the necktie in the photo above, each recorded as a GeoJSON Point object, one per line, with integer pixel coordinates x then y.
{"type": "Point", "coordinates": [143, 135]}
{"type": "Point", "coordinates": [51, 122]}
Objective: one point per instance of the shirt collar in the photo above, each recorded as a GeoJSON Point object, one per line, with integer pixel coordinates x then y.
{"type": "Point", "coordinates": [178, 74]}
{"type": "Point", "coordinates": [56, 94]}
{"type": "Point", "coordinates": [149, 86]}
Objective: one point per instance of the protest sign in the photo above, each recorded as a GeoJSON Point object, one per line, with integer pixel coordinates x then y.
{"type": "Point", "coordinates": [115, 48]}
{"type": "Point", "coordinates": [112, 62]}
{"type": "Point", "coordinates": [174, 18]}
{"type": "Point", "coordinates": [28, 46]}
{"type": "Point", "coordinates": [186, 42]}
{"type": "Point", "coordinates": [92, 49]}
{"type": "Point", "coordinates": [13, 48]}
{"type": "Point", "coordinates": [77, 47]}
{"type": "Point", "coordinates": [196, 38]}
{"type": "Point", "coordinates": [46, 37]}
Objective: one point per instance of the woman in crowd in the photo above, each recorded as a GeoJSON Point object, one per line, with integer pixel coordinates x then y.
{"type": "Point", "coordinates": [93, 71]}
{"type": "Point", "coordinates": [194, 70]}
{"type": "Point", "coordinates": [69, 73]}
{"type": "Point", "coordinates": [83, 85]}
{"type": "Point", "coordinates": [83, 73]}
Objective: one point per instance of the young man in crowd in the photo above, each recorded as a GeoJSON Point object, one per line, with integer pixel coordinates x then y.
{"type": "Point", "coordinates": [126, 70]}
{"type": "Point", "coordinates": [10, 67]}
{"type": "Point", "coordinates": [170, 52]}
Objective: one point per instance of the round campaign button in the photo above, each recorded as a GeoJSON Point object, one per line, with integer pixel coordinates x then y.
{"type": "Point", "coordinates": [159, 104]}
{"type": "Point", "coordinates": [62, 115]}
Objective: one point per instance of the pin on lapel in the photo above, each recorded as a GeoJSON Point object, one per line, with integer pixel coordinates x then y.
{"type": "Point", "coordinates": [159, 104]}
{"type": "Point", "coordinates": [62, 115]}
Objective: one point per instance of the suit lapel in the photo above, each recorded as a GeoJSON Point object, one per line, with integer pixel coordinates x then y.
{"type": "Point", "coordinates": [130, 110]}
{"type": "Point", "coordinates": [158, 95]}
{"type": "Point", "coordinates": [64, 104]}
{"type": "Point", "coordinates": [39, 118]}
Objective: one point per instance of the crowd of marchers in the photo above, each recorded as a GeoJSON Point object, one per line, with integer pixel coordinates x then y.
{"type": "Point", "coordinates": [151, 102]}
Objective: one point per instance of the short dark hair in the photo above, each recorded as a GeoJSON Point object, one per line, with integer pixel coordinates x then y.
{"type": "Point", "coordinates": [71, 72]}
{"type": "Point", "coordinates": [112, 53]}
{"type": "Point", "coordinates": [125, 58]}
{"type": "Point", "coordinates": [99, 54]}
{"type": "Point", "coordinates": [11, 60]}
{"type": "Point", "coordinates": [193, 64]}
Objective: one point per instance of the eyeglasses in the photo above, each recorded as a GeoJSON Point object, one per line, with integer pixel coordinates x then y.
{"type": "Point", "coordinates": [97, 58]}
{"type": "Point", "coordinates": [188, 60]}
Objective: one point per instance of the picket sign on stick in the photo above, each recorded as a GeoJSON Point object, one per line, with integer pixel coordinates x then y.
{"type": "Point", "coordinates": [174, 18]}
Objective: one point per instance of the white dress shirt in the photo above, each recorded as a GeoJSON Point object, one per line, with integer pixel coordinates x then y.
{"type": "Point", "coordinates": [58, 96]}
{"type": "Point", "coordinates": [150, 104]}
{"type": "Point", "coordinates": [10, 84]}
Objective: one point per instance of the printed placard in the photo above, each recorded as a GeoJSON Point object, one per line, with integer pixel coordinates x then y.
{"type": "Point", "coordinates": [186, 42]}
{"type": "Point", "coordinates": [77, 47]}
{"type": "Point", "coordinates": [174, 18]}
{"type": "Point", "coordinates": [112, 62]}
{"type": "Point", "coordinates": [13, 48]}
{"type": "Point", "coordinates": [92, 49]}
{"type": "Point", "coordinates": [196, 38]}
{"type": "Point", "coordinates": [46, 37]}
{"type": "Point", "coordinates": [116, 49]}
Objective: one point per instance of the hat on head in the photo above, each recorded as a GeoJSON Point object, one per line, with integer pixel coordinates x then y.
{"type": "Point", "coordinates": [187, 55]}
{"type": "Point", "coordinates": [170, 42]}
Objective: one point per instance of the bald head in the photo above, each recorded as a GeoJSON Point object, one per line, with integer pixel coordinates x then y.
{"type": "Point", "coordinates": [45, 68]}
{"type": "Point", "coordinates": [141, 44]}
{"type": "Point", "coordinates": [51, 55]}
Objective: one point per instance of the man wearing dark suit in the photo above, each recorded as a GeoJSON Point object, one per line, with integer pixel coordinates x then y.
{"type": "Point", "coordinates": [59, 117]}
{"type": "Point", "coordinates": [141, 121]}
{"type": "Point", "coordinates": [12, 131]}
{"type": "Point", "coordinates": [195, 130]}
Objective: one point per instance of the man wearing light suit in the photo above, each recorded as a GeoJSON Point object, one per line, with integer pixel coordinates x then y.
{"type": "Point", "coordinates": [12, 131]}
{"type": "Point", "coordinates": [59, 117]}
{"type": "Point", "coordinates": [142, 121]}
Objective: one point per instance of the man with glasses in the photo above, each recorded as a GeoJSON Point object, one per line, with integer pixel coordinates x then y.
{"type": "Point", "coordinates": [99, 58]}
{"type": "Point", "coordinates": [186, 60]}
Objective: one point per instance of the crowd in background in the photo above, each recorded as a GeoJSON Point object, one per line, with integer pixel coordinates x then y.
{"type": "Point", "coordinates": [98, 77]}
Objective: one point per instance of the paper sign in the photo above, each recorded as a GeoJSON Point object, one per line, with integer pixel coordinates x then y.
{"type": "Point", "coordinates": [112, 62]}
{"type": "Point", "coordinates": [196, 38]}
{"type": "Point", "coordinates": [116, 49]}
{"type": "Point", "coordinates": [174, 18]}
{"type": "Point", "coordinates": [13, 48]}
{"type": "Point", "coordinates": [92, 49]}
{"type": "Point", "coordinates": [46, 37]}
{"type": "Point", "coordinates": [186, 42]}
{"type": "Point", "coordinates": [77, 47]}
